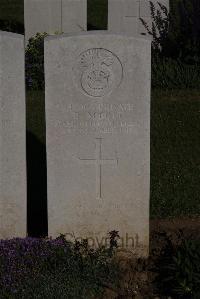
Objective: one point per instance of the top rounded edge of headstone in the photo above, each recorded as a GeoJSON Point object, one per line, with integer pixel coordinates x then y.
{"type": "Point", "coordinates": [11, 34]}
{"type": "Point", "coordinates": [98, 32]}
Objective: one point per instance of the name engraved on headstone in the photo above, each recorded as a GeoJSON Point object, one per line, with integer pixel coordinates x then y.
{"type": "Point", "coordinates": [103, 119]}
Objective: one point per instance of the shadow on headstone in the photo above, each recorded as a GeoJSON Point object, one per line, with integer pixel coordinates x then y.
{"type": "Point", "coordinates": [36, 187]}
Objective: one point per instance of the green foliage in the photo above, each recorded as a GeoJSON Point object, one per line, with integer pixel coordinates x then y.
{"type": "Point", "coordinates": [184, 32]}
{"type": "Point", "coordinates": [33, 268]}
{"type": "Point", "coordinates": [168, 73]}
{"type": "Point", "coordinates": [175, 153]}
{"type": "Point", "coordinates": [179, 268]}
{"type": "Point", "coordinates": [35, 62]}
{"type": "Point", "coordinates": [176, 45]}
{"type": "Point", "coordinates": [176, 34]}
{"type": "Point", "coordinates": [160, 26]}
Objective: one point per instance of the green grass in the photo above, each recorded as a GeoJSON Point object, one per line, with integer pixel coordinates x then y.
{"type": "Point", "coordinates": [175, 150]}
{"type": "Point", "coordinates": [175, 153]}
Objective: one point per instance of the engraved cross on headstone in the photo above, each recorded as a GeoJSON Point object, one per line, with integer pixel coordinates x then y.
{"type": "Point", "coordinates": [99, 162]}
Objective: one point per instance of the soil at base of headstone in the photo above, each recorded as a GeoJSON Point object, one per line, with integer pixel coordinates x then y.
{"type": "Point", "coordinates": [137, 282]}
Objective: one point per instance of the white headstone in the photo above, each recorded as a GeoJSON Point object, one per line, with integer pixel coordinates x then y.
{"type": "Point", "coordinates": [74, 16]}
{"type": "Point", "coordinates": [124, 15]}
{"type": "Point", "coordinates": [42, 16]}
{"type": "Point", "coordinates": [98, 137]}
{"type": "Point", "coordinates": [53, 16]}
{"type": "Point", "coordinates": [12, 137]}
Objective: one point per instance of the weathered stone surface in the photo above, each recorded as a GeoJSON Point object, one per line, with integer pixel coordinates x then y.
{"type": "Point", "coordinates": [98, 137]}
{"type": "Point", "coordinates": [74, 16]}
{"type": "Point", "coordinates": [42, 16]}
{"type": "Point", "coordinates": [54, 16]}
{"type": "Point", "coordinates": [123, 15]}
{"type": "Point", "coordinates": [12, 137]}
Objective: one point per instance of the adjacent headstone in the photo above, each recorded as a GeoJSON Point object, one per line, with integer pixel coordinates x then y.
{"type": "Point", "coordinates": [98, 138]}
{"type": "Point", "coordinates": [12, 137]}
{"type": "Point", "coordinates": [74, 16]}
{"type": "Point", "coordinates": [42, 16]}
{"type": "Point", "coordinates": [53, 16]}
{"type": "Point", "coordinates": [124, 15]}
{"type": "Point", "coordinates": [145, 12]}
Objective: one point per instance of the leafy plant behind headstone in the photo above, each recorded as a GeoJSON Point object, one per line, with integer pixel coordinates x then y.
{"type": "Point", "coordinates": [176, 34]}
{"type": "Point", "coordinates": [35, 62]}
{"type": "Point", "coordinates": [178, 268]}
{"type": "Point", "coordinates": [176, 44]}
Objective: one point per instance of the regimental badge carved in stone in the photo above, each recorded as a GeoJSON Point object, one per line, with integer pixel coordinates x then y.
{"type": "Point", "coordinates": [98, 72]}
